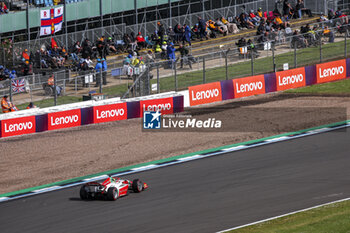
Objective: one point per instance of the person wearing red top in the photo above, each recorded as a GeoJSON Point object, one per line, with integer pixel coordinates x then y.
{"type": "Point", "coordinates": [141, 42]}
{"type": "Point", "coordinates": [3, 8]}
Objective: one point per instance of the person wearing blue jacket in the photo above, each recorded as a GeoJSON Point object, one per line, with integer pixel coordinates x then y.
{"type": "Point", "coordinates": [104, 68]}
{"type": "Point", "coordinates": [187, 34]}
{"type": "Point", "coordinates": [98, 69]}
{"type": "Point", "coordinates": [171, 55]}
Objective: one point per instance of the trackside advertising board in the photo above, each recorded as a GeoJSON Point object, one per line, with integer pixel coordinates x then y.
{"type": "Point", "coordinates": [248, 86]}
{"type": "Point", "coordinates": [18, 126]}
{"type": "Point", "coordinates": [290, 79]}
{"type": "Point", "coordinates": [331, 71]}
{"type": "Point", "coordinates": [65, 119]}
{"type": "Point", "coordinates": [165, 105]}
{"type": "Point", "coordinates": [112, 112]}
{"type": "Point", "coordinates": [204, 94]}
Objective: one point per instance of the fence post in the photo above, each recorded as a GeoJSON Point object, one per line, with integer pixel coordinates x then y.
{"type": "Point", "coordinates": [204, 70]}
{"type": "Point", "coordinates": [295, 56]}
{"type": "Point", "coordinates": [100, 84]}
{"type": "Point", "coordinates": [226, 64]}
{"type": "Point", "coordinates": [158, 87]}
{"type": "Point", "coordinates": [346, 46]}
{"type": "Point", "coordinates": [252, 61]}
{"type": "Point", "coordinates": [321, 49]}
{"type": "Point", "coordinates": [175, 75]}
{"type": "Point", "coordinates": [55, 88]}
{"type": "Point", "coordinates": [10, 89]}
{"type": "Point", "coordinates": [273, 58]}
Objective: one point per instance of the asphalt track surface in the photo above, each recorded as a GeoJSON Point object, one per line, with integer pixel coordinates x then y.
{"type": "Point", "coordinates": [205, 195]}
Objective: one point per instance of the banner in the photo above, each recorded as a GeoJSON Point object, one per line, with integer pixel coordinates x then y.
{"type": "Point", "coordinates": [165, 105]}
{"type": "Point", "coordinates": [331, 71]}
{"type": "Point", "coordinates": [18, 85]}
{"type": "Point", "coordinates": [51, 21]}
{"type": "Point", "coordinates": [290, 79]}
{"type": "Point", "coordinates": [65, 119]}
{"type": "Point", "coordinates": [18, 126]}
{"type": "Point", "coordinates": [112, 112]}
{"type": "Point", "coordinates": [249, 86]}
{"type": "Point", "coordinates": [204, 94]}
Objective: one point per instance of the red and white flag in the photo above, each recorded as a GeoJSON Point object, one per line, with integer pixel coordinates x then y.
{"type": "Point", "coordinates": [51, 21]}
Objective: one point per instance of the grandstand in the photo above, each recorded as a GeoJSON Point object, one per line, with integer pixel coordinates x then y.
{"type": "Point", "coordinates": [111, 18]}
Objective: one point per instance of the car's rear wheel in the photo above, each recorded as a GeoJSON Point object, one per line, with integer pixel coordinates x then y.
{"type": "Point", "coordinates": [137, 186]}
{"type": "Point", "coordinates": [83, 193]}
{"type": "Point", "coordinates": [112, 194]}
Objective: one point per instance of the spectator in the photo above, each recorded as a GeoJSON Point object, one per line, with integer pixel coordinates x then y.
{"type": "Point", "coordinates": [170, 32]}
{"type": "Point", "coordinates": [300, 8]}
{"type": "Point", "coordinates": [51, 83]}
{"type": "Point", "coordinates": [187, 34]}
{"type": "Point", "coordinates": [202, 25]}
{"type": "Point", "coordinates": [287, 9]}
{"type": "Point", "coordinates": [171, 55]}
{"type": "Point", "coordinates": [178, 30]}
{"type": "Point", "coordinates": [13, 75]}
{"type": "Point", "coordinates": [161, 31]}
{"type": "Point", "coordinates": [141, 42]}
{"type": "Point", "coordinates": [323, 18]}
{"type": "Point", "coordinates": [329, 33]}
{"type": "Point", "coordinates": [7, 106]}
{"type": "Point", "coordinates": [31, 105]}
{"type": "Point", "coordinates": [150, 58]}
{"type": "Point", "coordinates": [185, 56]}
{"type": "Point", "coordinates": [3, 8]}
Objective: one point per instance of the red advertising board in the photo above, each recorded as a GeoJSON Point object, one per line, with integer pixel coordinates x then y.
{"type": "Point", "coordinates": [248, 86]}
{"type": "Point", "coordinates": [64, 119]}
{"type": "Point", "coordinates": [204, 94]}
{"type": "Point", "coordinates": [289, 79]}
{"type": "Point", "coordinates": [112, 112]}
{"type": "Point", "coordinates": [331, 71]}
{"type": "Point", "coordinates": [17, 126]}
{"type": "Point", "coordinates": [165, 105]}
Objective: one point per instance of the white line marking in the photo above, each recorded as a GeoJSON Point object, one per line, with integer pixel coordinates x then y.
{"type": "Point", "coordinates": [235, 148]}
{"type": "Point", "coordinates": [284, 215]}
{"type": "Point", "coordinates": [4, 199]}
{"type": "Point", "coordinates": [96, 178]}
{"type": "Point", "coordinates": [148, 167]}
{"type": "Point", "coordinates": [47, 189]}
{"type": "Point", "coordinates": [277, 139]}
{"type": "Point", "coordinates": [189, 158]}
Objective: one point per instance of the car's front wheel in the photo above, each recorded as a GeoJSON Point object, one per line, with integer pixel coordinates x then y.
{"type": "Point", "coordinates": [112, 194]}
{"type": "Point", "coordinates": [137, 186]}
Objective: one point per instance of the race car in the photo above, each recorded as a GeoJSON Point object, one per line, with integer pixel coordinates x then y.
{"type": "Point", "coordinates": [111, 188]}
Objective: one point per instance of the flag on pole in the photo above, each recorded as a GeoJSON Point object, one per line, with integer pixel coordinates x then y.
{"type": "Point", "coordinates": [18, 85]}
{"type": "Point", "coordinates": [53, 43]}
{"type": "Point", "coordinates": [51, 21]}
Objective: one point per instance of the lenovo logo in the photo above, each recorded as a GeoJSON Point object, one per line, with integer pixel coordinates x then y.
{"type": "Point", "coordinates": [249, 87]}
{"type": "Point", "coordinates": [207, 94]}
{"type": "Point", "coordinates": [289, 79]}
{"type": "Point", "coordinates": [64, 120]}
{"type": "Point", "coordinates": [204, 94]}
{"type": "Point", "coordinates": [331, 71]}
{"type": "Point", "coordinates": [254, 85]}
{"type": "Point", "coordinates": [157, 107]}
{"type": "Point", "coordinates": [17, 127]}
{"type": "Point", "coordinates": [110, 113]}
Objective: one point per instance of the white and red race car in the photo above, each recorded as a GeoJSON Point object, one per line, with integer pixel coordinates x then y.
{"type": "Point", "coordinates": [111, 188]}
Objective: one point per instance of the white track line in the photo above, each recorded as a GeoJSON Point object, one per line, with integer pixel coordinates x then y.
{"type": "Point", "coordinates": [284, 215]}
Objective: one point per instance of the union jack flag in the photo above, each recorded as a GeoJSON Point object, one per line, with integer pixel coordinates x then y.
{"type": "Point", "coordinates": [18, 85]}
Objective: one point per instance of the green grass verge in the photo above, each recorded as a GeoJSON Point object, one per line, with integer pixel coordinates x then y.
{"type": "Point", "coordinates": [338, 87]}
{"type": "Point", "coordinates": [333, 218]}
